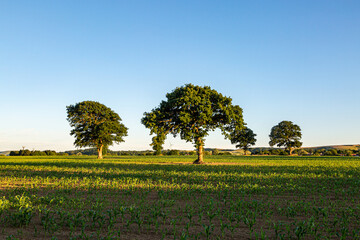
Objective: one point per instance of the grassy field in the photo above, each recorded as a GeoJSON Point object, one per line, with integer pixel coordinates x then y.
{"type": "Point", "coordinates": [169, 198]}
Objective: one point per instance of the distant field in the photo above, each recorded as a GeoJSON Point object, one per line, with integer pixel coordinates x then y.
{"type": "Point", "coordinates": [231, 197]}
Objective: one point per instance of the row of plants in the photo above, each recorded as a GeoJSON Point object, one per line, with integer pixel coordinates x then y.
{"type": "Point", "coordinates": [169, 198]}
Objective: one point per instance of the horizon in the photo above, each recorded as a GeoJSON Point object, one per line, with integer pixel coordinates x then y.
{"type": "Point", "coordinates": [206, 148]}
{"type": "Point", "coordinates": [279, 60]}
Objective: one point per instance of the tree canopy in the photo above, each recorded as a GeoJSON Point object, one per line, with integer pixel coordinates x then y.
{"type": "Point", "coordinates": [191, 112]}
{"type": "Point", "coordinates": [286, 134]}
{"type": "Point", "coordinates": [95, 125]}
{"type": "Point", "coordinates": [243, 138]}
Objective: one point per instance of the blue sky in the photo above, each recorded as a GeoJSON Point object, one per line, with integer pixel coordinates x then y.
{"type": "Point", "coordinates": [278, 60]}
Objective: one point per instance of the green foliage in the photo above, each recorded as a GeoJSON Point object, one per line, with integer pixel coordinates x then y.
{"type": "Point", "coordinates": [173, 152]}
{"type": "Point", "coordinates": [39, 153]}
{"type": "Point", "coordinates": [95, 125]}
{"type": "Point", "coordinates": [277, 151]}
{"type": "Point", "coordinates": [301, 152]}
{"type": "Point", "coordinates": [191, 153]}
{"type": "Point", "coordinates": [265, 152]}
{"type": "Point", "coordinates": [158, 142]}
{"type": "Point", "coordinates": [14, 153]}
{"type": "Point", "coordinates": [87, 151]}
{"type": "Point", "coordinates": [26, 152]}
{"type": "Point", "coordinates": [331, 152]}
{"type": "Point", "coordinates": [347, 152]}
{"type": "Point", "coordinates": [243, 138]}
{"type": "Point", "coordinates": [4, 204]}
{"type": "Point", "coordinates": [225, 153]}
{"type": "Point", "coordinates": [215, 152]}
{"type": "Point", "coordinates": [20, 217]}
{"type": "Point", "coordinates": [286, 134]}
{"type": "Point", "coordinates": [191, 112]}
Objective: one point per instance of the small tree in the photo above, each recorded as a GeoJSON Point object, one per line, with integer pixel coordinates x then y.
{"type": "Point", "coordinates": [301, 152]}
{"type": "Point", "coordinates": [215, 151]}
{"type": "Point", "coordinates": [95, 125]}
{"type": "Point", "coordinates": [243, 138]}
{"type": "Point", "coordinates": [14, 153]}
{"type": "Point", "coordinates": [331, 152]}
{"type": "Point", "coordinates": [24, 152]}
{"type": "Point", "coordinates": [191, 112]}
{"type": "Point", "coordinates": [286, 134]}
{"type": "Point", "coordinates": [157, 143]}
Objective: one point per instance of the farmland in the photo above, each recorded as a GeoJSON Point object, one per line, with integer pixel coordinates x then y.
{"type": "Point", "coordinates": [167, 197]}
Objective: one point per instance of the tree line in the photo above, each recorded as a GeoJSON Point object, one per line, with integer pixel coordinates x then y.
{"type": "Point", "coordinates": [207, 152]}
{"type": "Point", "coordinates": [27, 152]}
{"type": "Point", "coordinates": [189, 111]}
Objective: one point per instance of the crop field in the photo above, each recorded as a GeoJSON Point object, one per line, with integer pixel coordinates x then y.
{"type": "Point", "coordinates": [167, 197]}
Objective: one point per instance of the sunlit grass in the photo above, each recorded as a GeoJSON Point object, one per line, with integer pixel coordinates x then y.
{"type": "Point", "coordinates": [270, 197]}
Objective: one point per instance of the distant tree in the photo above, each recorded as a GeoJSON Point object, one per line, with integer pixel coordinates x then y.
{"type": "Point", "coordinates": [215, 152]}
{"type": "Point", "coordinates": [14, 153]}
{"type": "Point", "coordinates": [275, 151]}
{"type": "Point", "coordinates": [157, 143]}
{"type": "Point", "coordinates": [95, 125]}
{"type": "Point", "coordinates": [301, 152]}
{"type": "Point", "coordinates": [24, 152]}
{"type": "Point", "coordinates": [173, 152]}
{"type": "Point", "coordinates": [50, 152]}
{"type": "Point", "coordinates": [282, 152]}
{"type": "Point", "coordinates": [38, 153]}
{"type": "Point", "coordinates": [255, 151]}
{"type": "Point", "coordinates": [348, 152]}
{"type": "Point", "coordinates": [192, 153]}
{"type": "Point", "coordinates": [243, 138]}
{"type": "Point", "coordinates": [331, 152]}
{"type": "Point", "coordinates": [286, 134]}
{"type": "Point", "coordinates": [310, 151]}
{"type": "Point", "coordinates": [191, 112]}
{"type": "Point", "coordinates": [92, 151]}
{"type": "Point", "coordinates": [320, 152]}
{"type": "Point", "coordinates": [265, 152]}
{"type": "Point", "coordinates": [224, 153]}
{"type": "Point", "coordinates": [207, 153]}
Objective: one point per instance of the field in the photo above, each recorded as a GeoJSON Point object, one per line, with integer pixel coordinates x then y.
{"type": "Point", "coordinates": [169, 198]}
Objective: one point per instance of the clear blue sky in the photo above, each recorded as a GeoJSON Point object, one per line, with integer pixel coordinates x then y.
{"type": "Point", "coordinates": [278, 60]}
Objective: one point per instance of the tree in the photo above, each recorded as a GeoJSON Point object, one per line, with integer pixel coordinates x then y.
{"type": "Point", "coordinates": [24, 152]}
{"type": "Point", "coordinates": [173, 152]}
{"type": "Point", "coordinates": [275, 151]}
{"type": "Point", "coordinates": [331, 152]}
{"type": "Point", "coordinates": [191, 112]}
{"type": "Point", "coordinates": [286, 134]}
{"type": "Point", "coordinates": [243, 138]}
{"type": "Point", "coordinates": [14, 153]}
{"type": "Point", "coordinates": [95, 125]}
{"type": "Point", "coordinates": [215, 152]}
{"type": "Point", "coordinates": [157, 143]}
{"type": "Point", "coordinates": [301, 152]}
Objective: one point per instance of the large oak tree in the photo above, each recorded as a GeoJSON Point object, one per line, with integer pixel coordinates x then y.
{"type": "Point", "coordinates": [286, 134]}
{"type": "Point", "coordinates": [191, 112]}
{"type": "Point", "coordinates": [95, 125]}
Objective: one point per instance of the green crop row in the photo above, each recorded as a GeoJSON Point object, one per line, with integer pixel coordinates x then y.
{"type": "Point", "coordinates": [168, 198]}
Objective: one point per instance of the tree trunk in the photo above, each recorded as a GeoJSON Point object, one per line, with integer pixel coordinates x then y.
{"type": "Point", "coordinates": [100, 150]}
{"type": "Point", "coordinates": [200, 151]}
{"type": "Point", "coordinates": [290, 150]}
{"type": "Point", "coordinates": [245, 150]}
